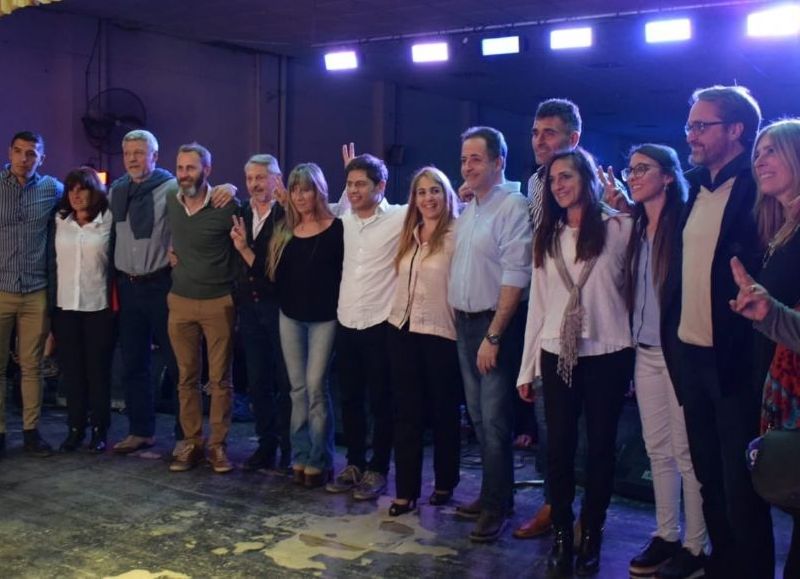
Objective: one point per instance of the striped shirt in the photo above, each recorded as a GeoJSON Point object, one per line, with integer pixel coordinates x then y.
{"type": "Point", "coordinates": [535, 197]}
{"type": "Point", "coordinates": [26, 213]}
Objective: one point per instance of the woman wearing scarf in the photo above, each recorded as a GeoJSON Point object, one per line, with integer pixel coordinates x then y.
{"type": "Point", "coordinates": [578, 340]}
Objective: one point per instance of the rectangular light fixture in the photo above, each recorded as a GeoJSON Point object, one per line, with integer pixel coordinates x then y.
{"type": "Point", "coordinates": [342, 60]}
{"type": "Point", "coordinates": [778, 21]}
{"type": "Point", "coordinates": [504, 45]}
{"type": "Point", "coordinates": [668, 30]}
{"type": "Point", "coordinates": [103, 176]}
{"type": "Point", "coordinates": [429, 52]}
{"type": "Point", "coordinates": [570, 38]}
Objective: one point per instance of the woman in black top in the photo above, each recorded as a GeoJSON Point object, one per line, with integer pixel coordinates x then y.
{"type": "Point", "coordinates": [305, 260]}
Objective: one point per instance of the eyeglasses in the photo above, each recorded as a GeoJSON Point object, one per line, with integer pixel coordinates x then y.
{"type": "Point", "coordinates": [699, 127]}
{"type": "Point", "coordinates": [637, 171]}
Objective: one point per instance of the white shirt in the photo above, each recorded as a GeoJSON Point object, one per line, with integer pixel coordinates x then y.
{"type": "Point", "coordinates": [82, 263]}
{"type": "Point", "coordinates": [368, 276]}
{"type": "Point", "coordinates": [606, 326]}
{"type": "Point", "coordinates": [182, 200]}
{"type": "Point", "coordinates": [259, 221]}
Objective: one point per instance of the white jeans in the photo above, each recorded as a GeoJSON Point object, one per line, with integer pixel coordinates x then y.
{"type": "Point", "coordinates": [667, 446]}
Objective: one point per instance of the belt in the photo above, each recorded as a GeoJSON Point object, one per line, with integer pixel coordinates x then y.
{"type": "Point", "coordinates": [646, 346]}
{"type": "Point", "coordinates": [147, 276]}
{"type": "Point", "coordinates": [475, 315]}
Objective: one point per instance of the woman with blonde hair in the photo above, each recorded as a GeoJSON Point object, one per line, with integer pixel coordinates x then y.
{"type": "Point", "coordinates": [422, 349]}
{"type": "Point", "coordinates": [305, 260]}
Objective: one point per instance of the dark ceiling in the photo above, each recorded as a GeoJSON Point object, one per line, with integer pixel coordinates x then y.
{"type": "Point", "coordinates": [625, 87]}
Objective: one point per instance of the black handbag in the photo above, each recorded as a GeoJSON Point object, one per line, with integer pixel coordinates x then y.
{"type": "Point", "coordinates": [776, 471]}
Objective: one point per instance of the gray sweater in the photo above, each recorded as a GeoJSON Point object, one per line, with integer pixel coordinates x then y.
{"type": "Point", "coordinates": [782, 325]}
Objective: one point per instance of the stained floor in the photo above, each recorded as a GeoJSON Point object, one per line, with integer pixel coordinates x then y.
{"type": "Point", "coordinates": [79, 515]}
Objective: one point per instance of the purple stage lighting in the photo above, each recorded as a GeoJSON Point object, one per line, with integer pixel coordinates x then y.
{"type": "Point", "coordinates": [570, 38]}
{"type": "Point", "coordinates": [778, 21]}
{"type": "Point", "coordinates": [342, 60]}
{"type": "Point", "coordinates": [668, 30]}
{"type": "Point", "coordinates": [429, 52]}
{"type": "Point", "coordinates": [504, 45]}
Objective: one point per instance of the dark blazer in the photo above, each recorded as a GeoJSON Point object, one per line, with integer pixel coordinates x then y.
{"type": "Point", "coordinates": [254, 285]}
{"type": "Point", "coordinates": [732, 334]}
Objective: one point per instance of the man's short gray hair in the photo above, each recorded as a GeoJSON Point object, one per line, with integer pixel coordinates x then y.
{"type": "Point", "coordinates": [268, 161]}
{"type": "Point", "coordinates": [142, 135]}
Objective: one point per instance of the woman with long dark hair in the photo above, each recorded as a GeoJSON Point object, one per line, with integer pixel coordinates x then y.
{"type": "Point", "coordinates": [305, 260]}
{"type": "Point", "coordinates": [578, 339]}
{"type": "Point", "coordinates": [659, 190]}
{"type": "Point", "coordinates": [83, 323]}
{"type": "Point", "coordinates": [422, 349]}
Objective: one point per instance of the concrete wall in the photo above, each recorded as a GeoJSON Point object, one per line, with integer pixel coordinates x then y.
{"type": "Point", "coordinates": [234, 102]}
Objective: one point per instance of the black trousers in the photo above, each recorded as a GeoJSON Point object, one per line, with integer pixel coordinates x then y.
{"type": "Point", "coordinates": [719, 429]}
{"type": "Point", "coordinates": [599, 384]}
{"type": "Point", "coordinates": [426, 384]}
{"type": "Point", "coordinates": [362, 358]}
{"type": "Point", "coordinates": [85, 344]}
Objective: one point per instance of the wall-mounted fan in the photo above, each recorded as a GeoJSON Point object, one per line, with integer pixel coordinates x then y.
{"type": "Point", "coordinates": [110, 114]}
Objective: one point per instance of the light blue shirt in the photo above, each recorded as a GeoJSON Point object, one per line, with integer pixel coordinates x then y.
{"type": "Point", "coordinates": [646, 311]}
{"type": "Point", "coordinates": [492, 249]}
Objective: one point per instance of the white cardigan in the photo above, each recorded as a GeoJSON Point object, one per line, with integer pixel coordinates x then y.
{"type": "Point", "coordinates": [606, 326]}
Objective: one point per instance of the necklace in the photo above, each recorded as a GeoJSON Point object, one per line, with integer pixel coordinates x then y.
{"type": "Point", "coordinates": [777, 241]}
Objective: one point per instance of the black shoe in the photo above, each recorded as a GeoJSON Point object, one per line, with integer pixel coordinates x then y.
{"type": "Point", "coordinates": [657, 552]}
{"type": "Point", "coordinates": [35, 445]}
{"type": "Point", "coordinates": [98, 440]}
{"type": "Point", "coordinates": [2, 444]}
{"type": "Point", "coordinates": [72, 442]}
{"type": "Point", "coordinates": [470, 510]}
{"type": "Point", "coordinates": [262, 458]}
{"type": "Point", "coordinates": [397, 509]}
{"type": "Point", "coordinates": [559, 560]}
{"type": "Point", "coordinates": [587, 561]}
{"type": "Point", "coordinates": [683, 565]}
{"type": "Point", "coordinates": [439, 498]}
{"type": "Point", "coordinates": [488, 528]}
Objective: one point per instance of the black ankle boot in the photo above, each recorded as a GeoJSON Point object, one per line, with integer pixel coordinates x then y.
{"type": "Point", "coordinates": [559, 560]}
{"type": "Point", "coordinates": [587, 562]}
{"type": "Point", "coordinates": [98, 440]}
{"type": "Point", "coordinates": [73, 440]}
{"type": "Point", "coordinates": [2, 444]}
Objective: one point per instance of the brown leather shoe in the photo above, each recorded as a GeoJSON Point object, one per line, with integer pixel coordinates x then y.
{"type": "Point", "coordinates": [539, 525]}
{"type": "Point", "coordinates": [186, 457]}
{"type": "Point", "coordinates": [298, 475]}
{"type": "Point", "coordinates": [132, 443]}
{"type": "Point", "coordinates": [218, 459]}
{"type": "Point", "coordinates": [316, 479]}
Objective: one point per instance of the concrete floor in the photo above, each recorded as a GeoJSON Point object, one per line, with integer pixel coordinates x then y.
{"type": "Point", "coordinates": [79, 515]}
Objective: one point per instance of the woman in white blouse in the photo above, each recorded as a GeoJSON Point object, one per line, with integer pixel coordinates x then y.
{"type": "Point", "coordinates": [578, 340]}
{"type": "Point", "coordinates": [83, 323]}
{"type": "Point", "coordinates": [423, 359]}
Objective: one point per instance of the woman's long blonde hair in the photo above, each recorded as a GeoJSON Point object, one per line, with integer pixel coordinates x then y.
{"type": "Point", "coordinates": [414, 217]}
{"type": "Point", "coordinates": [302, 176]}
{"type": "Point", "coordinates": [773, 226]}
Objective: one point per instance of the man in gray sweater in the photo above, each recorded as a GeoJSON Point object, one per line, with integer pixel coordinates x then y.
{"type": "Point", "coordinates": [200, 304]}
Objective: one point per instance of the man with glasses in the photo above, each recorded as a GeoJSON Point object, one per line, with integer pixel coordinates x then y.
{"type": "Point", "coordinates": [257, 303]}
{"type": "Point", "coordinates": [705, 343]}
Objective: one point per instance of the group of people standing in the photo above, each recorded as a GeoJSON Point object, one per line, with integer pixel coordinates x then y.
{"type": "Point", "coordinates": [570, 294]}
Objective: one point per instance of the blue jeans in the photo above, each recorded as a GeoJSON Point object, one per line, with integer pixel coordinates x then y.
{"type": "Point", "coordinates": [307, 348]}
{"type": "Point", "coordinates": [490, 402]}
{"type": "Point", "coordinates": [267, 381]}
{"type": "Point", "coordinates": [142, 321]}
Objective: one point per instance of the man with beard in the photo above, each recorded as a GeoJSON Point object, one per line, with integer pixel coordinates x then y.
{"type": "Point", "coordinates": [258, 314]}
{"type": "Point", "coordinates": [705, 343]}
{"type": "Point", "coordinates": [200, 304]}
{"type": "Point", "coordinates": [141, 258]}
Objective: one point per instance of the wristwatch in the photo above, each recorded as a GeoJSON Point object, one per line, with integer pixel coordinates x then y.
{"type": "Point", "coordinates": [493, 339]}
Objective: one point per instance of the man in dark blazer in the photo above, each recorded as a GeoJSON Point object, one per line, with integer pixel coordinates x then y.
{"type": "Point", "coordinates": [257, 306]}
{"type": "Point", "coordinates": [708, 348]}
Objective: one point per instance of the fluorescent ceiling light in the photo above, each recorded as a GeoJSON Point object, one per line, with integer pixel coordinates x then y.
{"type": "Point", "coordinates": [504, 45]}
{"type": "Point", "coordinates": [429, 52]}
{"type": "Point", "coordinates": [343, 60]}
{"type": "Point", "coordinates": [779, 21]}
{"type": "Point", "coordinates": [668, 30]}
{"type": "Point", "coordinates": [570, 38]}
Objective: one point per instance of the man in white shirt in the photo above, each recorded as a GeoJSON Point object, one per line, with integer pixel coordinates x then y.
{"type": "Point", "coordinates": [489, 278]}
{"type": "Point", "coordinates": [371, 233]}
